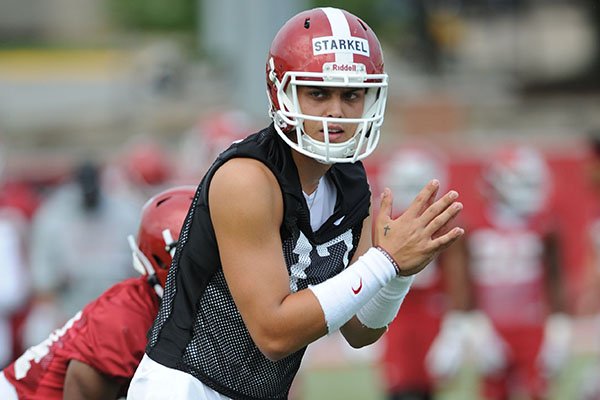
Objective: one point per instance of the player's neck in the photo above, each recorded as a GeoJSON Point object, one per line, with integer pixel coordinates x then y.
{"type": "Point", "coordinates": [310, 171]}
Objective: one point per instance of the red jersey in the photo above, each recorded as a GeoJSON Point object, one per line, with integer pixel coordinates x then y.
{"type": "Point", "coordinates": [410, 335]}
{"type": "Point", "coordinates": [508, 272]}
{"type": "Point", "coordinates": [109, 334]}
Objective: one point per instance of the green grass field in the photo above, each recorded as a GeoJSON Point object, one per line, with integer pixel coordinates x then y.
{"type": "Point", "coordinates": [361, 381]}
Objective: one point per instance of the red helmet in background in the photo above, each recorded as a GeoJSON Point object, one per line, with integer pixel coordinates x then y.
{"type": "Point", "coordinates": [148, 164]}
{"type": "Point", "coordinates": [213, 133]}
{"type": "Point", "coordinates": [220, 129]}
{"type": "Point", "coordinates": [161, 222]}
{"type": "Point", "coordinates": [333, 48]}
{"type": "Point", "coordinates": [518, 178]}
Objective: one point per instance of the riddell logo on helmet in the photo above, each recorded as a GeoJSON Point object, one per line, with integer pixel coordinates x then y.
{"type": "Point", "coordinates": [344, 67]}
{"type": "Point", "coordinates": [336, 67]}
{"type": "Point", "coordinates": [332, 44]}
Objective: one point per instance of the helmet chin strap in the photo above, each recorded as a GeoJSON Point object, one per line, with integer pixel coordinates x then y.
{"type": "Point", "coordinates": [142, 265]}
{"type": "Point", "coordinates": [168, 238]}
{"type": "Point", "coordinates": [140, 261]}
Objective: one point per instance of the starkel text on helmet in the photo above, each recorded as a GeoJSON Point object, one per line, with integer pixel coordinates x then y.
{"type": "Point", "coordinates": [332, 44]}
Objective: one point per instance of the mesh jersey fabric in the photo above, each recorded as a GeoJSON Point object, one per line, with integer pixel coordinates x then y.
{"type": "Point", "coordinates": [199, 329]}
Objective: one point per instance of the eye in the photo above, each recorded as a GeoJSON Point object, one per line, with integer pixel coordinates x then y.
{"type": "Point", "coordinates": [316, 92]}
{"type": "Point", "coordinates": [350, 95]}
{"type": "Point", "coordinates": [353, 95]}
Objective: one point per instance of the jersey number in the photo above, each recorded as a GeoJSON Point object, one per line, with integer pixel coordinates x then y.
{"type": "Point", "coordinates": [37, 352]}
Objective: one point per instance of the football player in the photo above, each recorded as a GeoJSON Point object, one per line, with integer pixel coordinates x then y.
{"type": "Point", "coordinates": [279, 250]}
{"type": "Point", "coordinates": [94, 355]}
{"type": "Point", "coordinates": [18, 202]}
{"type": "Point", "coordinates": [75, 233]}
{"type": "Point", "coordinates": [410, 335]}
{"type": "Point", "coordinates": [506, 285]}
{"type": "Point", "coordinates": [587, 322]}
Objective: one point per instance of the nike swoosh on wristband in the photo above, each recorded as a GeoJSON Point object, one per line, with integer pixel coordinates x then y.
{"type": "Point", "coordinates": [359, 288]}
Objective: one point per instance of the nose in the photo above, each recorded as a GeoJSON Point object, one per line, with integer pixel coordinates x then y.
{"type": "Point", "coordinates": [334, 107]}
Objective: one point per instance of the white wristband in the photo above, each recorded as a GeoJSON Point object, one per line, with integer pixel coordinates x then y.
{"type": "Point", "coordinates": [343, 295]}
{"type": "Point", "coordinates": [381, 310]}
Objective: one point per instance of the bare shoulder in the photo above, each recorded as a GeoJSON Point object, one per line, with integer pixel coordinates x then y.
{"type": "Point", "coordinates": [246, 188]}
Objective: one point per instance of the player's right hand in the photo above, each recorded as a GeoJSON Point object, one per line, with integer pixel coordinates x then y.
{"type": "Point", "coordinates": [421, 232]}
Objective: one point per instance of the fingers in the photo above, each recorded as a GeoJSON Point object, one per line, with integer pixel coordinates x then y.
{"type": "Point", "coordinates": [385, 211]}
{"type": "Point", "coordinates": [438, 207]}
{"type": "Point", "coordinates": [442, 219]}
{"type": "Point", "coordinates": [425, 197]}
{"type": "Point", "coordinates": [438, 216]}
{"type": "Point", "coordinates": [422, 231]}
{"type": "Point", "coordinates": [430, 201]}
{"type": "Point", "coordinates": [383, 216]}
{"type": "Point", "coordinates": [446, 240]}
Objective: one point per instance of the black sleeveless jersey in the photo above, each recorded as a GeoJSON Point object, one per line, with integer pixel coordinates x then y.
{"type": "Point", "coordinates": [198, 328]}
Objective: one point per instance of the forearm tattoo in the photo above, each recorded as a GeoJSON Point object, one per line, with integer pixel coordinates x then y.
{"type": "Point", "coordinates": [386, 229]}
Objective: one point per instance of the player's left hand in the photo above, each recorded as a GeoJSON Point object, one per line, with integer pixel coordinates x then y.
{"type": "Point", "coordinates": [420, 233]}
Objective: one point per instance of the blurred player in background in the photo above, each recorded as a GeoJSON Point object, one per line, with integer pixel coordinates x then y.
{"type": "Point", "coordinates": [142, 169]}
{"type": "Point", "coordinates": [14, 284]}
{"type": "Point", "coordinates": [409, 337]}
{"type": "Point", "coordinates": [94, 355]}
{"type": "Point", "coordinates": [78, 248]}
{"type": "Point", "coordinates": [277, 249]}
{"type": "Point", "coordinates": [213, 133]}
{"type": "Point", "coordinates": [506, 284]}
{"type": "Point", "coordinates": [148, 166]}
{"type": "Point", "coordinates": [588, 299]}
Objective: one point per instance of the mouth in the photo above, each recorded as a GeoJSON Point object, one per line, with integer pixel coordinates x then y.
{"type": "Point", "coordinates": [336, 133]}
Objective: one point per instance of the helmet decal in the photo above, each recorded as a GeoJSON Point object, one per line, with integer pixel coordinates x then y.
{"type": "Point", "coordinates": [341, 42]}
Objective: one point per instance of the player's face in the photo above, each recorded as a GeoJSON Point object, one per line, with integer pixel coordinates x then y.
{"type": "Point", "coordinates": [331, 102]}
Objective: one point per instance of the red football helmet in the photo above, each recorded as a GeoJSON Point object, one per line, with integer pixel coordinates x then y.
{"type": "Point", "coordinates": [147, 163]}
{"type": "Point", "coordinates": [333, 48]}
{"type": "Point", "coordinates": [214, 133]}
{"type": "Point", "coordinates": [162, 218]}
{"type": "Point", "coordinates": [519, 179]}
{"type": "Point", "coordinates": [222, 128]}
